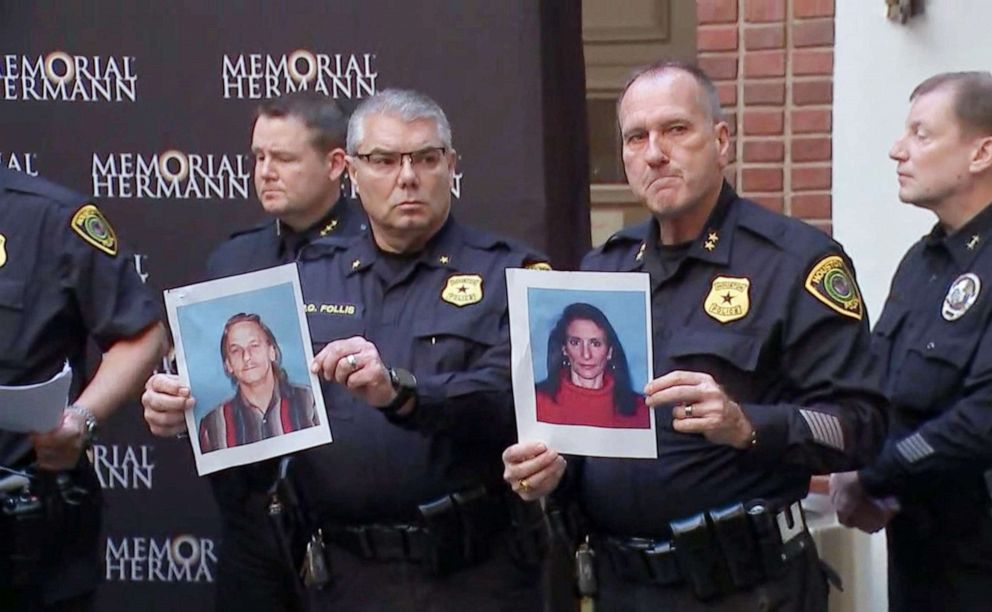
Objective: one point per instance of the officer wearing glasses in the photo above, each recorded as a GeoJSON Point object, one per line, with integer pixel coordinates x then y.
{"type": "Point", "coordinates": [408, 498]}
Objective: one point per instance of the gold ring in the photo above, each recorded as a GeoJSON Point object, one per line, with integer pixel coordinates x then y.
{"type": "Point", "coordinates": [688, 411]}
{"type": "Point", "coordinates": [352, 361]}
{"type": "Point", "coordinates": [524, 485]}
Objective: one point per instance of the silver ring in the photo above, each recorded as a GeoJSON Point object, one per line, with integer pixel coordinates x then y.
{"type": "Point", "coordinates": [688, 411]}
{"type": "Point", "coordinates": [352, 361]}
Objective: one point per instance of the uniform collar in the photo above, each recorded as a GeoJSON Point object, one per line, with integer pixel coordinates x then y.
{"type": "Point", "coordinates": [441, 251]}
{"type": "Point", "coordinates": [713, 244]}
{"type": "Point", "coordinates": [964, 244]}
{"type": "Point", "coordinates": [337, 216]}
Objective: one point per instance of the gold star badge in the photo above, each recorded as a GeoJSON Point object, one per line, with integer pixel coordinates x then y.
{"type": "Point", "coordinates": [444, 259]}
{"type": "Point", "coordinates": [640, 252]}
{"type": "Point", "coordinates": [974, 242]}
{"type": "Point", "coordinates": [330, 227]}
{"type": "Point", "coordinates": [713, 237]}
{"type": "Point", "coordinates": [709, 245]}
{"type": "Point", "coordinates": [355, 264]}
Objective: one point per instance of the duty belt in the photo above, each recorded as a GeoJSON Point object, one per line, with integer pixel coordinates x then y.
{"type": "Point", "coordinates": [715, 552]}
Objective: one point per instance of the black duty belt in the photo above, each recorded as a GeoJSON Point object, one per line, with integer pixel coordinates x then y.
{"type": "Point", "coordinates": [715, 552]}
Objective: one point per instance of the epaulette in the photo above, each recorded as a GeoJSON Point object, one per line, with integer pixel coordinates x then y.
{"type": "Point", "coordinates": [264, 225]}
{"type": "Point", "coordinates": [487, 241]}
{"type": "Point", "coordinates": [787, 233]}
{"type": "Point", "coordinates": [35, 185]}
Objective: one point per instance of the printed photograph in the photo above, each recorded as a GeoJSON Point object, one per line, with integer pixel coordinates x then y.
{"type": "Point", "coordinates": [581, 356]}
{"type": "Point", "coordinates": [243, 347]}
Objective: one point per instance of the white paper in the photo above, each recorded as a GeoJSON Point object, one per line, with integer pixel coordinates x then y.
{"type": "Point", "coordinates": [197, 315]}
{"type": "Point", "coordinates": [36, 407]}
{"type": "Point", "coordinates": [537, 300]}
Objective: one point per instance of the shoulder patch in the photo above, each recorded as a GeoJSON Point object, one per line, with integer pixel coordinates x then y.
{"type": "Point", "coordinates": [94, 228]}
{"type": "Point", "coordinates": [833, 284]}
{"type": "Point", "coordinates": [538, 265]}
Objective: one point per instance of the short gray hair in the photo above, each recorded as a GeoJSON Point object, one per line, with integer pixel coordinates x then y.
{"type": "Point", "coordinates": [972, 97]}
{"type": "Point", "coordinates": [407, 104]}
{"type": "Point", "coordinates": [711, 97]}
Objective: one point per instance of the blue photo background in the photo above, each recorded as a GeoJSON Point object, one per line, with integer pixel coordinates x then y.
{"type": "Point", "coordinates": [202, 325]}
{"type": "Point", "coordinates": [624, 309]}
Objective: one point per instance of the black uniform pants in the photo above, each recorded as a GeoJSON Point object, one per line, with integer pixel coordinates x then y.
{"type": "Point", "coordinates": [803, 588]}
{"type": "Point", "coordinates": [498, 584]}
{"type": "Point", "coordinates": [935, 569]}
{"type": "Point", "coordinates": [251, 573]}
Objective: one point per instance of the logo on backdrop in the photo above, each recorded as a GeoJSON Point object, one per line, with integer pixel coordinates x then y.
{"type": "Point", "coordinates": [183, 558]}
{"type": "Point", "coordinates": [63, 77]}
{"type": "Point", "coordinates": [171, 174]}
{"type": "Point", "coordinates": [22, 162]}
{"type": "Point", "coordinates": [123, 466]}
{"type": "Point", "coordinates": [254, 76]}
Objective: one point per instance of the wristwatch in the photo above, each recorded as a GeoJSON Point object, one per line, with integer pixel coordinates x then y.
{"type": "Point", "coordinates": [89, 423]}
{"type": "Point", "coordinates": [405, 385]}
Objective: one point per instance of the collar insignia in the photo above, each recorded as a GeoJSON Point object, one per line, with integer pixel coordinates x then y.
{"type": "Point", "coordinates": [444, 259]}
{"type": "Point", "coordinates": [974, 242]}
{"type": "Point", "coordinates": [3, 250]}
{"type": "Point", "coordinates": [330, 227]}
{"type": "Point", "coordinates": [640, 252]}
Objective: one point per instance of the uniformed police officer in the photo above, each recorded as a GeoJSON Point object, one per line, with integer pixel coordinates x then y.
{"type": "Point", "coordinates": [409, 496]}
{"type": "Point", "coordinates": [298, 144]}
{"type": "Point", "coordinates": [935, 339]}
{"type": "Point", "coordinates": [761, 358]}
{"type": "Point", "coordinates": [64, 278]}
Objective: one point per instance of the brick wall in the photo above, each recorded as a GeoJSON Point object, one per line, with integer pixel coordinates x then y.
{"type": "Point", "coordinates": [773, 63]}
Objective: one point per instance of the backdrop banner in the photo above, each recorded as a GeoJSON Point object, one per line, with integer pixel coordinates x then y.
{"type": "Point", "coordinates": [148, 107]}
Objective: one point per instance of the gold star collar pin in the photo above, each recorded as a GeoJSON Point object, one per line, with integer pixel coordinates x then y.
{"type": "Point", "coordinates": [444, 259]}
{"type": "Point", "coordinates": [355, 264]}
{"type": "Point", "coordinates": [330, 227]}
{"type": "Point", "coordinates": [974, 242]}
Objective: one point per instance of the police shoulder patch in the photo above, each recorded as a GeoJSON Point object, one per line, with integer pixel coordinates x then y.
{"type": "Point", "coordinates": [538, 265]}
{"type": "Point", "coordinates": [90, 224]}
{"type": "Point", "coordinates": [833, 284]}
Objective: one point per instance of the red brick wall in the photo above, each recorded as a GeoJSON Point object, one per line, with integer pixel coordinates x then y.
{"type": "Point", "coordinates": [773, 63]}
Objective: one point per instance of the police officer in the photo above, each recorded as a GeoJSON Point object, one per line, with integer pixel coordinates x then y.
{"type": "Point", "coordinates": [298, 144]}
{"type": "Point", "coordinates": [414, 318]}
{"type": "Point", "coordinates": [932, 478]}
{"type": "Point", "coordinates": [64, 279]}
{"type": "Point", "coordinates": [761, 358]}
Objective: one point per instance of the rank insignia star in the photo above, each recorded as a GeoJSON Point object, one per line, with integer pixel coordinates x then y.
{"type": "Point", "coordinates": [444, 259]}
{"type": "Point", "coordinates": [640, 252]}
{"type": "Point", "coordinates": [713, 237]}
{"type": "Point", "coordinates": [330, 227]}
{"type": "Point", "coordinates": [709, 245]}
{"type": "Point", "coordinates": [974, 242]}
{"type": "Point", "coordinates": [355, 264]}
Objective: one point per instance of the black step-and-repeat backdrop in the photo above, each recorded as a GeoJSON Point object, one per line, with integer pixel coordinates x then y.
{"type": "Point", "coordinates": [148, 107]}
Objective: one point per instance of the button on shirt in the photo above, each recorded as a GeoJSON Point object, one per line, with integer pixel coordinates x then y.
{"type": "Point", "coordinates": [935, 340]}
{"type": "Point", "coordinates": [441, 314]}
{"type": "Point", "coordinates": [736, 307]}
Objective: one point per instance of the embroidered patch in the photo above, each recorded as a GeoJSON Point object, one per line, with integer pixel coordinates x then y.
{"type": "Point", "coordinates": [462, 289]}
{"type": "Point", "coordinates": [94, 228]}
{"type": "Point", "coordinates": [3, 250]}
{"type": "Point", "coordinates": [728, 299]}
{"type": "Point", "coordinates": [960, 297]}
{"type": "Point", "coordinates": [833, 284]}
{"type": "Point", "coordinates": [538, 265]}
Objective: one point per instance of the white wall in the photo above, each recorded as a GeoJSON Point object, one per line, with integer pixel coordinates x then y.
{"type": "Point", "coordinates": [877, 65]}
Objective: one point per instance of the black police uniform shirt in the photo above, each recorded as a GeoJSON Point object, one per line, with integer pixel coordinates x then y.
{"type": "Point", "coordinates": [63, 279]}
{"type": "Point", "coordinates": [935, 339]}
{"type": "Point", "coordinates": [441, 314]}
{"type": "Point", "coordinates": [270, 244]}
{"type": "Point", "coordinates": [768, 307]}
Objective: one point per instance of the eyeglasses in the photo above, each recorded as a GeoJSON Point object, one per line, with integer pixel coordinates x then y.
{"type": "Point", "coordinates": [388, 162]}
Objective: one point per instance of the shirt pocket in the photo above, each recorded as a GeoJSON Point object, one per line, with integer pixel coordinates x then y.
{"type": "Point", "coordinates": [932, 374]}
{"type": "Point", "coordinates": [11, 320]}
{"type": "Point", "coordinates": [731, 359]}
{"type": "Point", "coordinates": [453, 343]}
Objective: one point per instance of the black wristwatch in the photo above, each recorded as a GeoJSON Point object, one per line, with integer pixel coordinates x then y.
{"type": "Point", "coordinates": [405, 385]}
{"type": "Point", "coordinates": [89, 423]}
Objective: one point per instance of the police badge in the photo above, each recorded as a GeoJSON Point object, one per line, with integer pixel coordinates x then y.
{"type": "Point", "coordinates": [960, 297]}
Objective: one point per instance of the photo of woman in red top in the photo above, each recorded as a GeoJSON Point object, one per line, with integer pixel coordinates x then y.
{"type": "Point", "coordinates": [588, 379]}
